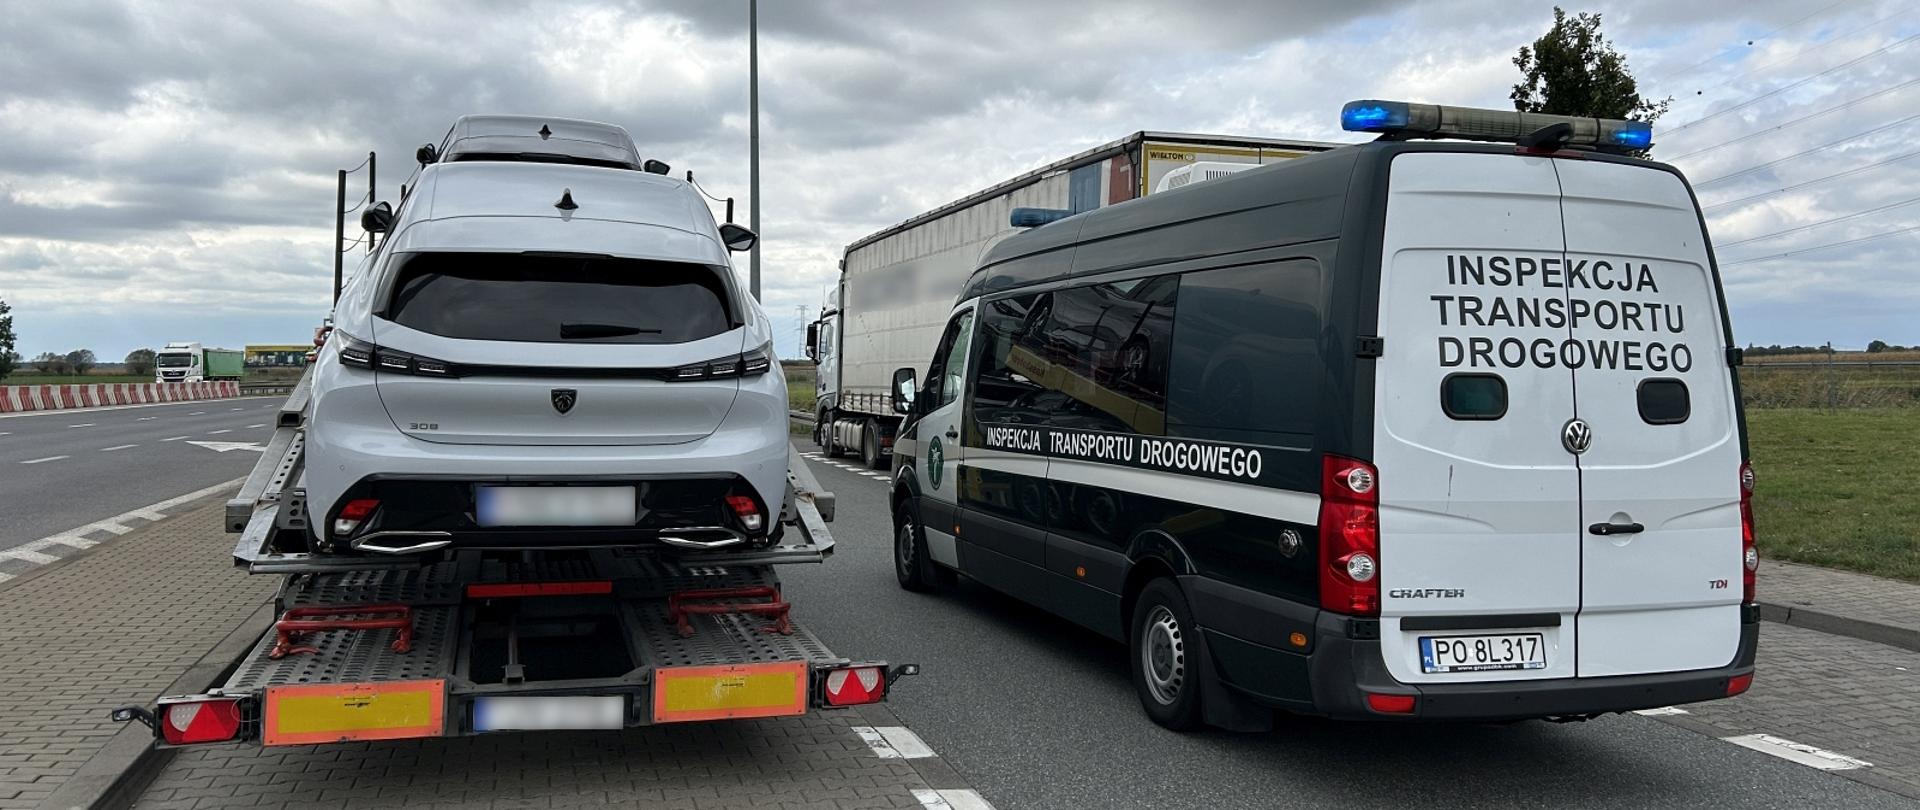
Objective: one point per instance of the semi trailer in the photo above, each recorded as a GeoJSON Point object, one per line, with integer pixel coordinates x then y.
{"type": "Point", "coordinates": [190, 362]}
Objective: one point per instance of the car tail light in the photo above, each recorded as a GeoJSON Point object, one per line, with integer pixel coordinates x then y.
{"type": "Point", "coordinates": [1391, 704]}
{"type": "Point", "coordinates": [1349, 536]}
{"type": "Point", "coordinates": [192, 721]}
{"type": "Point", "coordinates": [353, 514]}
{"type": "Point", "coordinates": [1749, 553]}
{"type": "Point", "coordinates": [1739, 683]}
{"type": "Point", "coordinates": [856, 686]}
{"type": "Point", "coordinates": [747, 364]}
{"type": "Point", "coordinates": [747, 511]}
{"type": "Point", "coordinates": [361, 354]}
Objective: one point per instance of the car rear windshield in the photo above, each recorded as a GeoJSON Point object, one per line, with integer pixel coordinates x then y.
{"type": "Point", "coordinates": [559, 299]}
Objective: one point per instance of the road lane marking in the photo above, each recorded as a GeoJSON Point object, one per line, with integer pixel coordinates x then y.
{"type": "Point", "coordinates": [82, 424]}
{"type": "Point", "coordinates": [222, 447]}
{"type": "Point", "coordinates": [1663, 711]}
{"type": "Point", "coordinates": [172, 438]}
{"type": "Point", "coordinates": [1798, 752]}
{"type": "Point", "coordinates": [238, 409]}
{"type": "Point", "coordinates": [261, 425]}
{"type": "Point", "coordinates": [32, 556]}
{"type": "Point", "coordinates": [44, 460]}
{"type": "Point", "coordinates": [6, 433]}
{"type": "Point", "coordinates": [117, 447]}
{"type": "Point", "coordinates": [36, 551]}
{"type": "Point", "coordinates": [146, 418]}
{"type": "Point", "coordinates": [950, 799]}
{"type": "Point", "coordinates": [197, 413]}
{"type": "Point", "coordinates": [220, 431]}
{"type": "Point", "coordinates": [893, 742]}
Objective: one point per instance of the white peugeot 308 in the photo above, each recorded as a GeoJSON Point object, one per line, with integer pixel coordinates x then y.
{"type": "Point", "coordinates": [547, 353]}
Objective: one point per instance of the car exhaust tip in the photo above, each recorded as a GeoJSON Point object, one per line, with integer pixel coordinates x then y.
{"type": "Point", "coordinates": [401, 542]}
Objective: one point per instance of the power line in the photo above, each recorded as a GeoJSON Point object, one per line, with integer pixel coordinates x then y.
{"type": "Point", "coordinates": [1817, 180]}
{"type": "Point", "coordinates": [1811, 225]}
{"type": "Point", "coordinates": [1751, 259]}
{"type": "Point", "coordinates": [1777, 91]}
{"type": "Point", "coordinates": [1804, 152]}
{"type": "Point", "coordinates": [1830, 41]}
{"type": "Point", "coordinates": [1731, 48]}
{"type": "Point", "coordinates": [1802, 119]}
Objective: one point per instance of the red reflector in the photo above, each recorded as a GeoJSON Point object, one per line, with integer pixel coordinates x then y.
{"type": "Point", "coordinates": [508, 590]}
{"type": "Point", "coordinates": [743, 505]}
{"type": "Point", "coordinates": [200, 721]}
{"type": "Point", "coordinates": [359, 508]}
{"type": "Point", "coordinates": [1739, 683]}
{"type": "Point", "coordinates": [856, 686]}
{"type": "Point", "coordinates": [1390, 704]}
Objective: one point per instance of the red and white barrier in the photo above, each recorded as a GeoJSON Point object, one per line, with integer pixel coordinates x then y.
{"type": "Point", "coordinates": [22, 398]}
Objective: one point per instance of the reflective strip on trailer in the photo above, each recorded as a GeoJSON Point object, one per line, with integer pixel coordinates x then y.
{"type": "Point", "coordinates": [729, 692]}
{"type": "Point", "coordinates": [302, 714]}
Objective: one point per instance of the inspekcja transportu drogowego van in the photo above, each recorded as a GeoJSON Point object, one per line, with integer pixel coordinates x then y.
{"type": "Point", "coordinates": [1411, 429]}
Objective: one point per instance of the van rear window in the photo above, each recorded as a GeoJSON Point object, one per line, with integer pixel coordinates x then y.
{"type": "Point", "coordinates": [1474, 397]}
{"type": "Point", "coordinates": [1664, 401]}
{"type": "Point", "coordinates": [559, 299]}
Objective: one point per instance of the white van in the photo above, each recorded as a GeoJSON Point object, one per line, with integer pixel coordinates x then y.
{"type": "Point", "coordinates": [1414, 429]}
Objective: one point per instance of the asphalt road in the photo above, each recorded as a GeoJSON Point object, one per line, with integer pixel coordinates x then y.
{"type": "Point", "coordinates": [64, 469]}
{"type": "Point", "coordinates": [1035, 712]}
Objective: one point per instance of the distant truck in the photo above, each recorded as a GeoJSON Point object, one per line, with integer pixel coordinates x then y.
{"type": "Point", "coordinates": [897, 286]}
{"type": "Point", "coordinates": [189, 362]}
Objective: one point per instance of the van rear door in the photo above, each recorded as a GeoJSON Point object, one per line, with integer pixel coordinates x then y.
{"type": "Point", "coordinates": [1479, 504]}
{"type": "Point", "coordinates": [1660, 541]}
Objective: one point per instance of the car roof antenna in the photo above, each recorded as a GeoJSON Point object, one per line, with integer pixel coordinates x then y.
{"type": "Point", "coordinates": [545, 133]}
{"type": "Point", "coordinates": [566, 202]}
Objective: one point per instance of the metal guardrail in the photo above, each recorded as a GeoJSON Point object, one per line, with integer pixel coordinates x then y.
{"type": "Point", "coordinates": [1751, 363]}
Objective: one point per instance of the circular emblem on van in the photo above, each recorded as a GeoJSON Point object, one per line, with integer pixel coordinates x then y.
{"type": "Point", "coordinates": [935, 455]}
{"type": "Point", "coordinates": [1576, 436]}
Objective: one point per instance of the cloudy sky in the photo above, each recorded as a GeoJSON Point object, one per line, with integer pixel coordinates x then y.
{"type": "Point", "coordinates": [168, 167]}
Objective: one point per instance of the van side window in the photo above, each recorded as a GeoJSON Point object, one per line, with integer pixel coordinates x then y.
{"type": "Point", "coordinates": [1474, 397]}
{"type": "Point", "coordinates": [949, 362]}
{"type": "Point", "coordinates": [1101, 351]}
{"type": "Point", "coordinates": [1664, 401]}
{"type": "Point", "coordinates": [1246, 363]}
{"type": "Point", "coordinates": [1001, 394]}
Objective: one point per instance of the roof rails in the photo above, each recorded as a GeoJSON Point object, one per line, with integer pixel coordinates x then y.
{"type": "Point", "coordinates": [1400, 120]}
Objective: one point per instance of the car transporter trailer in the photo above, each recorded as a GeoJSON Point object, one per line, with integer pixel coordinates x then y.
{"type": "Point", "coordinates": [380, 648]}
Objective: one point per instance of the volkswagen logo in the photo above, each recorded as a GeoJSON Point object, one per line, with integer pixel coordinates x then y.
{"type": "Point", "coordinates": [563, 399]}
{"type": "Point", "coordinates": [1576, 436]}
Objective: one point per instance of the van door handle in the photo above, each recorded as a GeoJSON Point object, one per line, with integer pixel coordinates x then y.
{"type": "Point", "coordinates": [1605, 529]}
{"type": "Point", "coordinates": [952, 434]}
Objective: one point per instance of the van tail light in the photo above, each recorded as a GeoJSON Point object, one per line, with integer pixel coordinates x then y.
{"type": "Point", "coordinates": [1391, 704]}
{"type": "Point", "coordinates": [1739, 683]}
{"type": "Point", "coordinates": [1749, 554]}
{"type": "Point", "coordinates": [856, 686]}
{"type": "Point", "coordinates": [748, 511]}
{"type": "Point", "coordinates": [200, 720]}
{"type": "Point", "coordinates": [353, 514]}
{"type": "Point", "coordinates": [1349, 536]}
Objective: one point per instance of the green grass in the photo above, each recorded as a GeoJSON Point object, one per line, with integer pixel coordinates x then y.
{"type": "Point", "coordinates": [1838, 488]}
{"type": "Point", "coordinates": [800, 384]}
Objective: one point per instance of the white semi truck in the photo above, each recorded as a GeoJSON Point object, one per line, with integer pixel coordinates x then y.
{"type": "Point", "coordinates": [897, 285]}
{"type": "Point", "coordinates": [191, 362]}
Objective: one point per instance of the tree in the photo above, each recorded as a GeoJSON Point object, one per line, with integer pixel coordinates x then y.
{"type": "Point", "coordinates": [1877, 347]}
{"type": "Point", "coordinates": [140, 361]}
{"type": "Point", "coordinates": [80, 361]}
{"type": "Point", "coordinates": [9, 359]}
{"type": "Point", "coordinates": [50, 363]}
{"type": "Point", "coordinates": [1574, 70]}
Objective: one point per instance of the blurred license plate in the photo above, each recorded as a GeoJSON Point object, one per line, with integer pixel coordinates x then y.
{"type": "Point", "coordinates": [556, 713]}
{"type": "Point", "coordinates": [1482, 653]}
{"type": "Point", "coordinates": [555, 506]}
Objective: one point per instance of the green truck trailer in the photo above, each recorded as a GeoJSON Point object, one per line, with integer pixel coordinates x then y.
{"type": "Point", "coordinates": [189, 362]}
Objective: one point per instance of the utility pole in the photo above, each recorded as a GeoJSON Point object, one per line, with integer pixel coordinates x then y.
{"type": "Point", "coordinates": [753, 139]}
{"type": "Point", "coordinates": [339, 232]}
{"type": "Point", "coordinates": [371, 196]}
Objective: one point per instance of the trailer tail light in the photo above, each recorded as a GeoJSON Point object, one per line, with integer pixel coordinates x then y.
{"type": "Point", "coordinates": [856, 686]}
{"type": "Point", "coordinates": [1349, 536]}
{"type": "Point", "coordinates": [1749, 553]}
{"type": "Point", "coordinates": [193, 721]}
{"type": "Point", "coordinates": [747, 511]}
{"type": "Point", "coordinates": [1391, 704]}
{"type": "Point", "coordinates": [353, 514]}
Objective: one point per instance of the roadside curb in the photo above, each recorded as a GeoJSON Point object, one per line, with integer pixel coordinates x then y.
{"type": "Point", "coordinates": [1906, 638]}
{"type": "Point", "coordinates": [122, 769]}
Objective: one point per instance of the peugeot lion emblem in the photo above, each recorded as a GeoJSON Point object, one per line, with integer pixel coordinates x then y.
{"type": "Point", "coordinates": [1576, 436]}
{"type": "Point", "coordinates": [563, 399]}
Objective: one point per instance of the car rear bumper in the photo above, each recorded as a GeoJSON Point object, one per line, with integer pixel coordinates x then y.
{"type": "Point", "coordinates": [1342, 665]}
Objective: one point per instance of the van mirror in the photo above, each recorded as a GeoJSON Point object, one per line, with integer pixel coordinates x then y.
{"type": "Point", "coordinates": [426, 154]}
{"type": "Point", "coordinates": [813, 341]}
{"type": "Point", "coordinates": [737, 238]}
{"type": "Point", "coordinates": [904, 390]}
{"type": "Point", "coordinates": [377, 218]}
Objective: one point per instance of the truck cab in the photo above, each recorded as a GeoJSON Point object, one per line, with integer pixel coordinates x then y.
{"type": "Point", "coordinates": [179, 362]}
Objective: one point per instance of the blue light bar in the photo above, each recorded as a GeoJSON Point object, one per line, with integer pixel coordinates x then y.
{"type": "Point", "coordinates": [1036, 217]}
{"type": "Point", "coordinates": [1373, 116]}
{"type": "Point", "coordinates": [1628, 134]}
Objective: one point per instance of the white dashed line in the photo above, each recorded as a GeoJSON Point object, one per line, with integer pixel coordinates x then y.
{"type": "Point", "coordinates": [172, 438]}
{"type": "Point", "coordinates": [1663, 711]}
{"type": "Point", "coordinates": [238, 409]}
{"type": "Point", "coordinates": [44, 460]}
{"type": "Point", "coordinates": [197, 413]}
{"type": "Point", "coordinates": [117, 447]}
{"type": "Point", "coordinates": [220, 431]}
{"type": "Point", "coordinates": [951, 799]}
{"type": "Point", "coordinates": [36, 551]}
{"type": "Point", "coordinates": [146, 418]}
{"type": "Point", "coordinates": [893, 742]}
{"type": "Point", "coordinates": [251, 427]}
{"type": "Point", "coordinates": [1798, 752]}
{"type": "Point", "coordinates": [81, 425]}
{"type": "Point", "coordinates": [6, 433]}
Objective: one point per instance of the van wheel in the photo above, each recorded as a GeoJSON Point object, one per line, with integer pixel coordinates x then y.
{"type": "Point", "coordinates": [911, 565]}
{"type": "Point", "coordinates": [1162, 650]}
{"type": "Point", "coordinates": [870, 446]}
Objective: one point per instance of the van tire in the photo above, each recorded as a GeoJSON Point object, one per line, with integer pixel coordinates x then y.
{"type": "Point", "coordinates": [1162, 656]}
{"type": "Point", "coordinates": [914, 570]}
{"type": "Point", "coordinates": [870, 454]}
